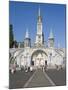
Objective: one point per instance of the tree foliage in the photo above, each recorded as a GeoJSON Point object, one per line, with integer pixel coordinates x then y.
{"type": "Point", "coordinates": [11, 36]}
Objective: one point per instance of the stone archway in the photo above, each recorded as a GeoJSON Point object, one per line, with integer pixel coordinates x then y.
{"type": "Point", "coordinates": [39, 58]}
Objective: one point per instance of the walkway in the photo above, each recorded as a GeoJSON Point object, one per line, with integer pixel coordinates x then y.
{"type": "Point", "coordinates": [39, 79]}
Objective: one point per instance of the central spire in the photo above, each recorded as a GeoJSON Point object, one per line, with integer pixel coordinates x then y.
{"type": "Point", "coordinates": [39, 36]}
{"type": "Point", "coordinates": [39, 15]}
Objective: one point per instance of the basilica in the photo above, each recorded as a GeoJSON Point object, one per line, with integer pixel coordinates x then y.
{"type": "Point", "coordinates": [39, 54]}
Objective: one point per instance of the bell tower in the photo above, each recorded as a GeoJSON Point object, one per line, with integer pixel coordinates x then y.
{"type": "Point", "coordinates": [39, 36]}
{"type": "Point", "coordinates": [27, 40]}
{"type": "Point", "coordinates": [51, 39]}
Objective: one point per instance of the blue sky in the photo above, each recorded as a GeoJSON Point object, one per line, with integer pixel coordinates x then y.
{"type": "Point", "coordinates": [23, 15]}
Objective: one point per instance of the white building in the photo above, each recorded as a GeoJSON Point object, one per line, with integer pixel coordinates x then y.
{"type": "Point", "coordinates": [39, 55]}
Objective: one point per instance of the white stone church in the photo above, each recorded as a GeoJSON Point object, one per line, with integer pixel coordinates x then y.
{"type": "Point", "coordinates": [39, 54]}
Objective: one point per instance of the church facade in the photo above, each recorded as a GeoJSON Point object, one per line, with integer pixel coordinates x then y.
{"type": "Point", "coordinates": [39, 55]}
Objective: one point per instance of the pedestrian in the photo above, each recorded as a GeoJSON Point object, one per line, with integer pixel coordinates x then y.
{"type": "Point", "coordinates": [12, 71]}
{"type": "Point", "coordinates": [31, 69]}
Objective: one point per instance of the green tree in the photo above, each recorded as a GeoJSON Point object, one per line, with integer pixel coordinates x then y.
{"type": "Point", "coordinates": [11, 36]}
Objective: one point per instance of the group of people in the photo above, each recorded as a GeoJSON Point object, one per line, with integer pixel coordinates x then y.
{"type": "Point", "coordinates": [58, 67]}
{"type": "Point", "coordinates": [13, 69]}
{"type": "Point", "coordinates": [27, 69]}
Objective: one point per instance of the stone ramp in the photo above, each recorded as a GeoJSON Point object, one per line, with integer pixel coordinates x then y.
{"type": "Point", "coordinates": [39, 79]}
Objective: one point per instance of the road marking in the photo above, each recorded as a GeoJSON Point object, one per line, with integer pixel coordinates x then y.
{"type": "Point", "coordinates": [27, 83]}
{"type": "Point", "coordinates": [49, 79]}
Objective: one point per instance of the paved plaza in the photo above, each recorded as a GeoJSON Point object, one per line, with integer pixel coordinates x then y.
{"type": "Point", "coordinates": [37, 78]}
{"type": "Point", "coordinates": [18, 79]}
{"type": "Point", "coordinates": [58, 77]}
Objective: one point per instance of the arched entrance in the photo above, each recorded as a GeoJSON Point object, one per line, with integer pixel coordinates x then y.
{"type": "Point", "coordinates": [39, 58]}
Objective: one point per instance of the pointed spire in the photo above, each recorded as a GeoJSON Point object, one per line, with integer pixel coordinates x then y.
{"type": "Point", "coordinates": [39, 11]}
{"type": "Point", "coordinates": [51, 34]}
{"type": "Point", "coordinates": [58, 45]}
{"type": "Point", "coordinates": [27, 34]}
{"type": "Point", "coordinates": [19, 45]}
